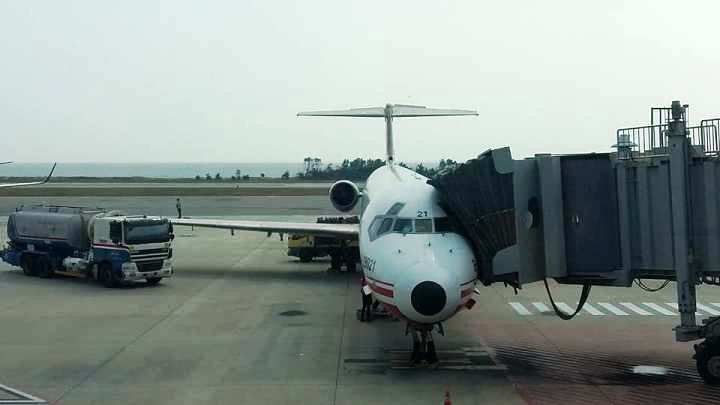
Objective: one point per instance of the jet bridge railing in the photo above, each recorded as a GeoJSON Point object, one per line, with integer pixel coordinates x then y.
{"type": "Point", "coordinates": [651, 141]}
{"type": "Point", "coordinates": [709, 135]}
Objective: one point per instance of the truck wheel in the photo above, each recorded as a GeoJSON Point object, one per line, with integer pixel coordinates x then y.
{"type": "Point", "coordinates": [27, 265]}
{"type": "Point", "coordinates": [105, 275]}
{"type": "Point", "coordinates": [707, 360]}
{"type": "Point", "coordinates": [306, 255]}
{"type": "Point", "coordinates": [153, 280]}
{"type": "Point", "coordinates": [42, 267]}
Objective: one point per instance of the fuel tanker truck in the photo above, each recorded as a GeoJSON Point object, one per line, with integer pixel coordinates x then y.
{"type": "Point", "coordinates": [103, 245]}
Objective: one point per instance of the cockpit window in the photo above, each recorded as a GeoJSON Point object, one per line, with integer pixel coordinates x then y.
{"type": "Point", "coordinates": [395, 209]}
{"type": "Point", "coordinates": [385, 226]}
{"type": "Point", "coordinates": [423, 225]}
{"type": "Point", "coordinates": [403, 225]}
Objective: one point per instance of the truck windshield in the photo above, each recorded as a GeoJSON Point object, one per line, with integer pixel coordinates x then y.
{"type": "Point", "coordinates": [147, 232]}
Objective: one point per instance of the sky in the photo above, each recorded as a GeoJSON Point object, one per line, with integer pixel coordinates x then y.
{"type": "Point", "coordinates": [222, 81]}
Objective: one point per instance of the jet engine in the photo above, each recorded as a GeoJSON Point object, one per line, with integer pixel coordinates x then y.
{"type": "Point", "coordinates": [344, 195]}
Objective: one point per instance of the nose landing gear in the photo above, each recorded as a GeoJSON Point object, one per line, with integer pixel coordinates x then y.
{"type": "Point", "coordinates": [423, 346]}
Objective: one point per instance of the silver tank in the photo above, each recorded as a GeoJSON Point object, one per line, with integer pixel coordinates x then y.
{"type": "Point", "coordinates": [52, 224]}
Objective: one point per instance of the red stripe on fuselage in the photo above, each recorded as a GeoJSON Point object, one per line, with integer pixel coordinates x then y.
{"type": "Point", "coordinates": [382, 291]}
{"type": "Point", "coordinates": [380, 281]}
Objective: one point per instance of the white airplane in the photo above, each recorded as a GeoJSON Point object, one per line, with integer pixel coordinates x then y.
{"type": "Point", "coordinates": [415, 264]}
{"type": "Point", "coordinates": [32, 183]}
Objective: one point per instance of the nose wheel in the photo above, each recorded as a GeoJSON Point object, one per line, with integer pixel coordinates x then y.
{"type": "Point", "coordinates": [423, 348]}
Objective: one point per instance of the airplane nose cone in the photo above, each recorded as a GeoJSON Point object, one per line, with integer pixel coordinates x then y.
{"type": "Point", "coordinates": [428, 298]}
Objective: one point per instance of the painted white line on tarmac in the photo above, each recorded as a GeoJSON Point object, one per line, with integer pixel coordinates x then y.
{"type": "Point", "coordinates": [708, 309]}
{"type": "Point", "coordinates": [612, 308]}
{"type": "Point", "coordinates": [541, 307]}
{"type": "Point", "coordinates": [658, 308]}
{"type": "Point", "coordinates": [635, 308]}
{"type": "Point", "coordinates": [25, 397]}
{"type": "Point", "coordinates": [674, 305]}
{"type": "Point", "coordinates": [565, 308]}
{"type": "Point", "coordinates": [520, 308]}
{"type": "Point", "coordinates": [592, 310]}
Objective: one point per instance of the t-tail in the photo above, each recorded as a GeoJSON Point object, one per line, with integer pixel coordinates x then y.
{"type": "Point", "coordinates": [389, 112]}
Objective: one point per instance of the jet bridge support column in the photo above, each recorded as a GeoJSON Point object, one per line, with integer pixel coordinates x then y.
{"type": "Point", "coordinates": [682, 251]}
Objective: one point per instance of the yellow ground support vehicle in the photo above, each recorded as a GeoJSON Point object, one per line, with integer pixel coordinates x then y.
{"type": "Point", "coordinates": [341, 251]}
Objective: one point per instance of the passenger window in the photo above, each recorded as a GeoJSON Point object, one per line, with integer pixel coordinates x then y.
{"type": "Point", "coordinates": [423, 225]}
{"type": "Point", "coordinates": [443, 225]}
{"type": "Point", "coordinates": [403, 225]}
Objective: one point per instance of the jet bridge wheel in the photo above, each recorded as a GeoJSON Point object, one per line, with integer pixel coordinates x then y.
{"type": "Point", "coordinates": [707, 360]}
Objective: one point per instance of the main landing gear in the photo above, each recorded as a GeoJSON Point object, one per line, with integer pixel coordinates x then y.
{"type": "Point", "coordinates": [423, 345]}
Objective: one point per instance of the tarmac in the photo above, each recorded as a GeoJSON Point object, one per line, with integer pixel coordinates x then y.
{"type": "Point", "coordinates": [243, 323]}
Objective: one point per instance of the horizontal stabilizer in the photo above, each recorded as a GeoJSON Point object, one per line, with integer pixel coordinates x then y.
{"type": "Point", "coordinates": [397, 110]}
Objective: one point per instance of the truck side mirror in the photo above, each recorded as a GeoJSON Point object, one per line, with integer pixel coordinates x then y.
{"type": "Point", "coordinates": [172, 236]}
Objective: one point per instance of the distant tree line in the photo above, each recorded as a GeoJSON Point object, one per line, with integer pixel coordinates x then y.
{"type": "Point", "coordinates": [360, 169]}
{"type": "Point", "coordinates": [356, 169]}
{"type": "Point", "coordinates": [237, 176]}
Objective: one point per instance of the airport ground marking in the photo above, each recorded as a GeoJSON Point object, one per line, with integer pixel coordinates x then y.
{"type": "Point", "coordinates": [707, 309]}
{"type": "Point", "coordinates": [659, 309]}
{"type": "Point", "coordinates": [520, 308]}
{"type": "Point", "coordinates": [592, 310]}
{"type": "Point", "coordinates": [612, 308]}
{"type": "Point", "coordinates": [634, 308]}
{"type": "Point", "coordinates": [25, 398]}
{"type": "Point", "coordinates": [541, 307]}
{"type": "Point", "coordinates": [674, 305]}
{"type": "Point", "coordinates": [565, 308]}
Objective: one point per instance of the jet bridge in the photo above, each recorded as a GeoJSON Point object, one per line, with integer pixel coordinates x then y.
{"type": "Point", "coordinates": [648, 210]}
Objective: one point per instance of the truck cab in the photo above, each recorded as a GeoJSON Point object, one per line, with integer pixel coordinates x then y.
{"type": "Point", "coordinates": [128, 248]}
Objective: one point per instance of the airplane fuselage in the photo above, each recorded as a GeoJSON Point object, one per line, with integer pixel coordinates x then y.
{"type": "Point", "coordinates": [415, 264]}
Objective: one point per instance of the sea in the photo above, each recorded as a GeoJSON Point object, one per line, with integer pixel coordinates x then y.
{"type": "Point", "coordinates": [154, 170]}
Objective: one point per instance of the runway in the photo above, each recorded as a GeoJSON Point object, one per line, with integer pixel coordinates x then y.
{"type": "Point", "coordinates": [243, 323]}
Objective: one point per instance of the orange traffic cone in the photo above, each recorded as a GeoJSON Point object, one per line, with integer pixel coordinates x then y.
{"type": "Point", "coordinates": [447, 398]}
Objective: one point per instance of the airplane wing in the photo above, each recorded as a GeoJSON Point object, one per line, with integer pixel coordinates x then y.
{"type": "Point", "coordinates": [30, 183]}
{"type": "Point", "coordinates": [339, 230]}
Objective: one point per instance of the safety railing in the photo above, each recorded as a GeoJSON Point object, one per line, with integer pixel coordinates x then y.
{"type": "Point", "coordinates": [651, 141]}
